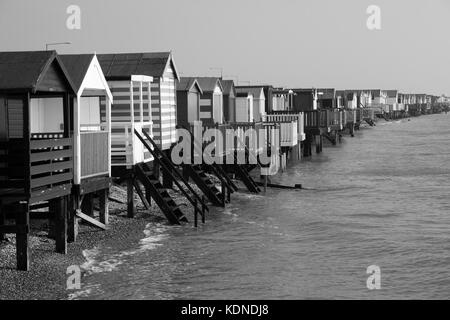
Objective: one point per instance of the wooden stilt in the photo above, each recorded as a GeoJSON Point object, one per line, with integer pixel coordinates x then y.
{"type": "Point", "coordinates": [104, 209]}
{"type": "Point", "coordinates": [51, 219]}
{"type": "Point", "coordinates": [2, 223]}
{"type": "Point", "coordinates": [61, 225]}
{"type": "Point", "coordinates": [72, 220]}
{"type": "Point", "coordinates": [23, 225]}
{"type": "Point", "coordinates": [87, 206]}
{"type": "Point", "coordinates": [131, 208]}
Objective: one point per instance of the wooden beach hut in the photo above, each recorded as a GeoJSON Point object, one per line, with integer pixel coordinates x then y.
{"type": "Point", "coordinates": [259, 100]}
{"type": "Point", "coordinates": [211, 100]}
{"type": "Point", "coordinates": [188, 102]}
{"type": "Point", "coordinates": [143, 126]}
{"type": "Point", "coordinates": [244, 107]}
{"type": "Point", "coordinates": [91, 139]}
{"type": "Point", "coordinates": [36, 145]}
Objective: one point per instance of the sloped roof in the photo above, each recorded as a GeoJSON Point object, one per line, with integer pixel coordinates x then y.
{"type": "Point", "coordinates": [124, 65]}
{"type": "Point", "coordinates": [227, 85]}
{"type": "Point", "coordinates": [186, 84]}
{"type": "Point", "coordinates": [208, 84]}
{"type": "Point", "coordinates": [23, 70]}
{"type": "Point", "coordinates": [255, 91]}
{"type": "Point", "coordinates": [77, 66]}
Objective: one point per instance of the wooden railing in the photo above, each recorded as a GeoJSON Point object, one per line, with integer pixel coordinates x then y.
{"type": "Point", "coordinates": [126, 149]}
{"type": "Point", "coordinates": [311, 119]}
{"type": "Point", "coordinates": [51, 161]}
{"type": "Point", "coordinates": [94, 153]}
{"type": "Point", "coordinates": [292, 126]}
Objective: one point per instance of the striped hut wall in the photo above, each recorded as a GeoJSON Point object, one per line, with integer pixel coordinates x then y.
{"type": "Point", "coordinates": [206, 101]}
{"type": "Point", "coordinates": [164, 109]}
{"type": "Point", "coordinates": [121, 118]}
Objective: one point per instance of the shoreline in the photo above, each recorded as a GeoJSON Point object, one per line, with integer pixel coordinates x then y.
{"type": "Point", "coordinates": [46, 279]}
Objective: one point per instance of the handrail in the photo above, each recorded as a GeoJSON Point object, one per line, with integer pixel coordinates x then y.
{"type": "Point", "coordinates": [155, 147]}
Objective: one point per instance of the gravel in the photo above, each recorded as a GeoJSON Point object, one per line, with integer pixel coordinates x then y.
{"type": "Point", "coordinates": [47, 276]}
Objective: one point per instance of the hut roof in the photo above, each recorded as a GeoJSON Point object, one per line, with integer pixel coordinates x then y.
{"type": "Point", "coordinates": [124, 65]}
{"type": "Point", "coordinates": [23, 70]}
{"type": "Point", "coordinates": [186, 84]}
{"type": "Point", "coordinates": [77, 66]}
{"type": "Point", "coordinates": [208, 84]}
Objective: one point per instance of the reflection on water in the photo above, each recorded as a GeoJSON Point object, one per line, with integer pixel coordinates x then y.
{"type": "Point", "coordinates": [380, 198]}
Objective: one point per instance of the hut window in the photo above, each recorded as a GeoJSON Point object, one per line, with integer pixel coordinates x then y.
{"type": "Point", "coordinates": [46, 115]}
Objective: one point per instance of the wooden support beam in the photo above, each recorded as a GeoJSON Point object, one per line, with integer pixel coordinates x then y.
{"type": "Point", "coordinates": [90, 220]}
{"type": "Point", "coordinates": [131, 208]}
{"type": "Point", "coordinates": [22, 250]}
{"type": "Point", "coordinates": [2, 223]}
{"type": "Point", "coordinates": [141, 195]}
{"type": "Point", "coordinates": [72, 220]}
{"type": "Point", "coordinates": [61, 224]}
{"type": "Point", "coordinates": [104, 209]}
{"type": "Point", "coordinates": [51, 219]}
{"type": "Point", "coordinates": [87, 204]}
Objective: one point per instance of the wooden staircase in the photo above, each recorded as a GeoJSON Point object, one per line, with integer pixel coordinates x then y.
{"type": "Point", "coordinates": [248, 181]}
{"type": "Point", "coordinates": [165, 202]}
{"type": "Point", "coordinates": [209, 189]}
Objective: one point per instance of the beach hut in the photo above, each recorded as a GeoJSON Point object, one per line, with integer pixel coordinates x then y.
{"type": "Point", "coordinates": [268, 95]}
{"type": "Point", "coordinates": [131, 110]}
{"type": "Point", "coordinates": [244, 107]}
{"type": "Point", "coordinates": [259, 100]}
{"type": "Point", "coordinates": [91, 137]}
{"type": "Point", "coordinates": [161, 67]}
{"type": "Point", "coordinates": [143, 125]}
{"type": "Point", "coordinates": [36, 145]}
{"type": "Point", "coordinates": [211, 100]}
{"type": "Point", "coordinates": [229, 100]}
{"type": "Point", "coordinates": [188, 102]}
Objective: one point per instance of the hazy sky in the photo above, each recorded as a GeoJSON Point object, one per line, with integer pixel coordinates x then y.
{"type": "Point", "coordinates": [295, 43]}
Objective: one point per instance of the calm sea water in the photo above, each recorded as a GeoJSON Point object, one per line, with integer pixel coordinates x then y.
{"type": "Point", "coordinates": [380, 198]}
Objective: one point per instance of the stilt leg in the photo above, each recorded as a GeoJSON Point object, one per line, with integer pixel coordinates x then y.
{"type": "Point", "coordinates": [104, 210]}
{"type": "Point", "coordinates": [131, 209]}
{"type": "Point", "coordinates": [87, 207]}
{"type": "Point", "coordinates": [72, 228]}
{"type": "Point", "coordinates": [23, 225]}
{"type": "Point", "coordinates": [61, 225]}
{"type": "Point", "coordinates": [2, 223]}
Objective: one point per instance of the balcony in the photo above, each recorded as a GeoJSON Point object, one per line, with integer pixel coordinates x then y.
{"type": "Point", "coordinates": [126, 148]}
{"type": "Point", "coordinates": [292, 127]}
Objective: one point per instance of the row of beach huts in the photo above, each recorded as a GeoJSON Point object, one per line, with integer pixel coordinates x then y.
{"type": "Point", "coordinates": [71, 125]}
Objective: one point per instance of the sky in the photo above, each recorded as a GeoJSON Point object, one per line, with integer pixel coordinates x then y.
{"type": "Point", "coordinates": [290, 43]}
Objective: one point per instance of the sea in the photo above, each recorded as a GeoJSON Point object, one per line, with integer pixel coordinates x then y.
{"type": "Point", "coordinates": [378, 201]}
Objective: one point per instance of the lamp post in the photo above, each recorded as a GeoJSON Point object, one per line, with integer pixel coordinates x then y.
{"type": "Point", "coordinates": [55, 44]}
